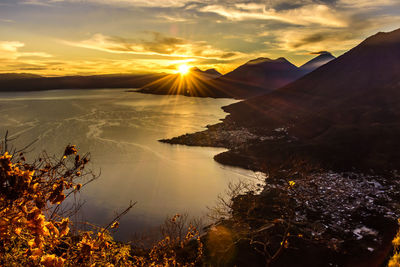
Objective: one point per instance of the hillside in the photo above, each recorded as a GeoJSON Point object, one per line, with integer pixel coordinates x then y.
{"type": "Point", "coordinates": [256, 77]}
{"type": "Point", "coordinates": [323, 58]}
{"type": "Point", "coordinates": [13, 76]}
{"type": "Point", "coordinates": [209, 73]}
{"type": "Point", "coordinates": [200, 84]}
{"type": "Point", "coordinates": [343, 115]}
{"type": "Point", "coordinates": [264, 72]}
{"type": "Point", "coordinates": [346, 108]}
{"type": "Point", "coordinates": [30, 82]}
{"type": "Point", "coordinates": [330, 142]}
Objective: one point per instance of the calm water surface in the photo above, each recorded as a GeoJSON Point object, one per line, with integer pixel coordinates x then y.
{"type": "Point", "coordinates": [121, 130]}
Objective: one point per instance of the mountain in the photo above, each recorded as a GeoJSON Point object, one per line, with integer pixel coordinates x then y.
{"type": "Point", "coordinates": [199, 84]}
{"type": "Point", "coordinates": [265, 73]}
{"type": "Point", "coordinates": [322, 58]}
{"type": "Point", "coordinates": [345, 113]}
{"type": "Point", "coordinates": [213, 72]}
{"type": "Point", "coordinates": [323, 139]}
{"type": "Point", "coordinates": [12, 76]}
{"type": "Point", "coordinates": [207, 74]}
{"type": "Point", "coordinates": [256, 77]}
{"type": "Point", "coordinates": [30, 82]}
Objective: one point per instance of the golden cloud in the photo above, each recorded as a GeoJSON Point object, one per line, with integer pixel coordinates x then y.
{"type": "Point", "coordinates": [304, 15]}
{"type": "Point", "coordinates": [10, 50]}
{"type": "Point", "coordinates": [157, 45]}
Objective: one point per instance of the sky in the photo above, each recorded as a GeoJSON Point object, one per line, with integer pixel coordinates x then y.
{"type": "Point", "coordinates": [68, 37]}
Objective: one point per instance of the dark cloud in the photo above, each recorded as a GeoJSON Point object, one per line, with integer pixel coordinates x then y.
{"type": "Point", "coordinates": [163, 44]}
{"type": "Point", "coordinates": [228, 55]}
{"type": "Point", "coordinates": [156, 44]}
{"type": "Point", "coordinates": [320, 41]}
{"type": "Point", "coordinates": [313, 38]}
{"type": "Point", "coordinates": [320, 53]}
{"type": "Point", "coordinates": [326, 2]}
{"type": "Point", "coordinates": [286, 6]}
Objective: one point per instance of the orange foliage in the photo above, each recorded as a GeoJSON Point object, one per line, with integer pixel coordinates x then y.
{"type": "Point", "coordinates": [33, 233]}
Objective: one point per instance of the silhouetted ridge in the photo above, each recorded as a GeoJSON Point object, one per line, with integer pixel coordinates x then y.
{"type": "Point", "coordinates": [383, 38]}
{"type": "Point", "coordinates": [31, 82]}
{"type": "Point", "coordinates": [195, 69]}
{"type": "Point", "coordinates": [265, 73]}
{"type": "Point", "coordinates": [11, 76]}
{"type": "Point", "coordinates": [347, 110]}
{"type": "Point", "coordinates": [322, 58]}
{"type": "Point", "coordinates": [213, 72]}
{"type": "Point", "coordinates": [259, 60]}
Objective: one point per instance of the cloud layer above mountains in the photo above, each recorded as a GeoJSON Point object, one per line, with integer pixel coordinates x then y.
{"type": "Point", "coordinates": [60, 35]}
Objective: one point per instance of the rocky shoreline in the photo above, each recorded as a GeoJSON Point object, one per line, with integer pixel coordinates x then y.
{"type": "Point", "coordinates": [238, 140]}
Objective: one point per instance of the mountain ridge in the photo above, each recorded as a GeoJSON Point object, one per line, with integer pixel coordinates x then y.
{"type": "Point", "coordinates": [265, 72]}
{"type": "Point", "coordinates": [344, 115]}
{"type": "Point", "coordinates": [311, 65]}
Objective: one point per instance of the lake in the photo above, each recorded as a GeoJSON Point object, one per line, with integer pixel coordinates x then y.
{"type": "Point", "coordinates": [120, 129]}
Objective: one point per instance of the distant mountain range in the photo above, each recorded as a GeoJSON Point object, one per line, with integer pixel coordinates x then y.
{"type": "Point", "coordinates": [31, 82]}
{"type": "Point", "coordinates": [14, 76]}
{"type": "Point", "coordinates": [201, 84]}
{"type": "Point", "coordinates": [272, 74]}
{"type": "Point", "coordinates": [256, 77]}
{"type": "Point", "coordinates": [265, 73]}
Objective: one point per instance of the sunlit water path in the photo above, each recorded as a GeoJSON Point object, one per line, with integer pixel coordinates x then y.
{"type": "Point", "coordinates": [121, 130]}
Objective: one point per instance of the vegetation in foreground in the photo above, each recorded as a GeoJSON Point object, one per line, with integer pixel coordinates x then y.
{"type": "Point", "coordinates": [35, 229]}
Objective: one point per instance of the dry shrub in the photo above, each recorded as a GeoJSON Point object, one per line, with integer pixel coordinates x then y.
{"type": "Point", "coordinates": [34, 230]}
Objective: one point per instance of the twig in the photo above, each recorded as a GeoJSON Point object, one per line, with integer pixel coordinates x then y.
{"type": "Point", "coordinates": [119, 216]}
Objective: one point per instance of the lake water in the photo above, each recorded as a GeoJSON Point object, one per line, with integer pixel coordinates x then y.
{"type": "Point", "coordinates": [120, 130]}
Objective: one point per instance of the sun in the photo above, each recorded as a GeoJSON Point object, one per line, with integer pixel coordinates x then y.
{"type": "Point", "coordinates": [183, 69]}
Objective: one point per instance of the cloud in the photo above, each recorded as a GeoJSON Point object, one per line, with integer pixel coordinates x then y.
{"type": "Point", "coordinates": [306, 40]}
{"type": "Point", "coordinates": [12, 59]}
{"type": "Point", "coordinates": [157, 45]}
{"type": "Point", "coordinates": [140, 3]}
{"type": "Point", "coordinates": [173, 18]}
{"type": "Point", "coordinates": [37, 2]}
{"type": "Point", "coordinates": [144, 3]}
{"type": "Point", "coordinates": [7, 20]}
{"type": "Point", "coordinates": [366, 4]}
{"type": "Point", "coordinates": [302, 15]}
{"type": "Point", "coordinates": [10, 47]}
{"type": "Point", "coordinates": [235, 30]}
{"type": "Point", "coordinates": [320, 53]}
{"type": "Point", "coordinates": [10, 50]}
{"type": "Point", "coordinates": [361, 18]}
{"type": "Point", "coordinates": [48, 67]}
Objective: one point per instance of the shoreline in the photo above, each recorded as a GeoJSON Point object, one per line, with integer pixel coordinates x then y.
{"type": "Point", "coordinates": [240, 143]}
